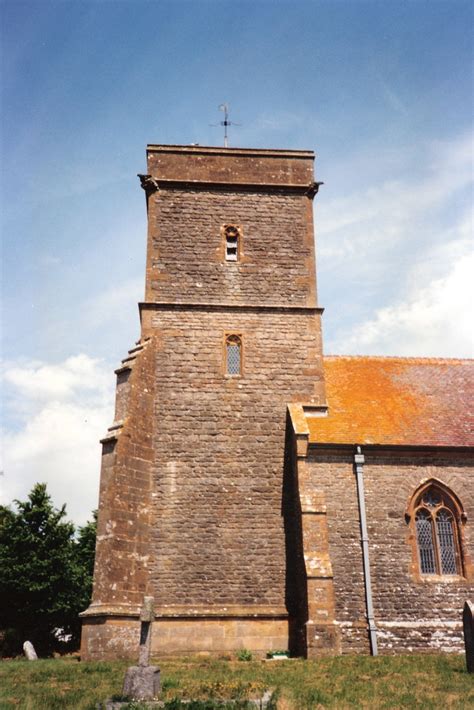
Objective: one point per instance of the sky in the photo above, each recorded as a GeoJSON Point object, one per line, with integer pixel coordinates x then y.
{"type": "Point", "coordinates": [381, 90]}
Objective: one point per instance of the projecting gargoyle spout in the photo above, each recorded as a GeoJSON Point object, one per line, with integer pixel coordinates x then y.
{"type": "Point", "coordinates": [313, 189]}
{"type": "Point", "coordinates": [148, 183]}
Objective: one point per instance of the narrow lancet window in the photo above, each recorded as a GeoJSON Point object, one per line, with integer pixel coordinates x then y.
{"type": "Point", "coordinates": [426, 550]}
{"type": "Point", "coordinates": [233, 354]}
{"type": "Point", "coordinates": [447, 548]}
{"type": "Point", "coordinates": [232, 246]}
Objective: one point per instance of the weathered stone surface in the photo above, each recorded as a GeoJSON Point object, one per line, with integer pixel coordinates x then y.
{"type": "Point", "coordinates": [29, 651]}
{"type": "Point", "coordinates": [245, 537]}
{"type": "Point", "coordinates": [142, 682]}
{"type": "Point", "coordinates": [191, 488]}
{"type": "Point", "coordinates": [147, 615]}
{"type": "Point", "coordinates": [411, 614]}
{"type": "Point", "coordinates": [468, 627]}
{"type": "Point", "coordinates": [275, 268]}
{"type": "Point", "coordinates": [147, 612]}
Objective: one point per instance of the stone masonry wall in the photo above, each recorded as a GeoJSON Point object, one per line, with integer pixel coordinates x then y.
{"type": "Point", "coordinates": [191, 493]}
{"type": "Point", "coordinates": [186, 261]}
{"type": "Point", "coordinates": [411, 613]}
{"type": "Point", "coordinates": [123, 551]}
{"type": "Point", "coordinates": [230, 165]}
{"type": "Point", "coordinates": [217, 531]}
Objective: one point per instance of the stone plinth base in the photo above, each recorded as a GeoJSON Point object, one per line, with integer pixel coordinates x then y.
{"type": "Point", "coordinates": [106, 638]}
{"type": "Point", "coordinates": [142, 682]}
{"type": "Point", "coordinates": [322, 640]}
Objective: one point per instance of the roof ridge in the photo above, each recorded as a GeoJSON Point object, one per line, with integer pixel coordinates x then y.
{"type": "Point", "coordinates": [413, 358]}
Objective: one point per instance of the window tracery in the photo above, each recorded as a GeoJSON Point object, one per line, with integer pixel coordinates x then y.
{"type": "Point", "coordinates": [437, 516]}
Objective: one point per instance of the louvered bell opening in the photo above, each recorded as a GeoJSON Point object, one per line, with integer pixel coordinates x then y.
{"type": "Point", "coordinates": [231, 248]}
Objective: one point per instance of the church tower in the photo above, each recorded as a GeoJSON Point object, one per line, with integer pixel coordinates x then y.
{"type": "Point", "coordinates": [192, 493]}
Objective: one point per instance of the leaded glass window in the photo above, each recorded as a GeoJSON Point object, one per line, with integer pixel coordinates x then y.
{"type": "Point", "coordinates": [437, 532]}
{"type": "Point", "coordinates": [233, 346]}
{"type": "Point", "coordinates": [447, 550]}
{"type": "Point", "coordinates": [426, 550]}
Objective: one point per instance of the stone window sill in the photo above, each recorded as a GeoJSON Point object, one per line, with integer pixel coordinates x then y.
{"type": "Point", "coordinates": [441, 578]}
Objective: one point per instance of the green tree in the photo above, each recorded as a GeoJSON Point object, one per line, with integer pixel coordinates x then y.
{"type": "Point", "coordinates": [45, 572]}
{"type": "Point", "coordinates": [84, 558]}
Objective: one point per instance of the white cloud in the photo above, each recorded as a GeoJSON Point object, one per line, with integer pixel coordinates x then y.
{"type": "Point", "coordinates": [434, 320]}
{"type": "Point", "coordinates": [62, 411]}
{"type": "Point", "coordinates": [73, 377]}
{"type": "Point", "coordinates": [397, 212]}
{"type": "Point", "coordinates": [394, 259]}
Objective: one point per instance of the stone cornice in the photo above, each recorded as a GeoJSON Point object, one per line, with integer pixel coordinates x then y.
{"type": "Point", "coordinates": [153, 184]}
{"type": "Point", "coordinates": [216, 150]}
{"type": "Point", "coordinates": [381, 449]}
{"type": "Point", "coordinates": [165, 306]}
{"type": "Point", "coordinates": [182, 611]}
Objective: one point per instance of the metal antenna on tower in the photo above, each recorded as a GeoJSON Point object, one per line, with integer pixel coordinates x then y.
{"type": "Point", "coordinates": [225, 123]}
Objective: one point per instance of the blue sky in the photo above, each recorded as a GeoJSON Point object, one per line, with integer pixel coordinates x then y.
{"type": "Point", "coordinates": [382, 91]}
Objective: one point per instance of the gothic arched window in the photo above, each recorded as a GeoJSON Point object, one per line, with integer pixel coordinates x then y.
{"type": "Point", "coordinates": [233, 355]}
{"type": "Point", "coordinates": [436, 516]}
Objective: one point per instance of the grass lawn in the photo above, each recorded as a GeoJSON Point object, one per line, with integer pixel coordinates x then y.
{"type": "Point", "coordinates": [415, 681]}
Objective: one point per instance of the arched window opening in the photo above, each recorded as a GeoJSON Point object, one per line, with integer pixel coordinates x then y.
{"type": "Point", "coordinates": [232, 242]}
{"type": "Point", "coordinates": [233, 348]}
{"type": "Point", "coordinates": [437, 517]}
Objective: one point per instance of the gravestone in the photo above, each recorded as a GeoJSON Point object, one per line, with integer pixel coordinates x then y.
{"type": "Point", "coordinates": [468, 626]}
{"type": "Point", "coordinates": [142, 682]}
{"type": "Point", "coordinates": [29, 651]}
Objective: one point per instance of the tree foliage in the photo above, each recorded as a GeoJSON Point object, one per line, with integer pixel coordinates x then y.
{"type": "Point", "coordinates": [45, 572]}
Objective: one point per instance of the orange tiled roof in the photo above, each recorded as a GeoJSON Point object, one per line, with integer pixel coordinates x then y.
{"type": "Point", "coordinates": [397, 401]}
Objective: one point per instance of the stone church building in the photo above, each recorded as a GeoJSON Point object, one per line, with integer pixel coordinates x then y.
{"type": "Point", "coordinates": [267, 496]}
